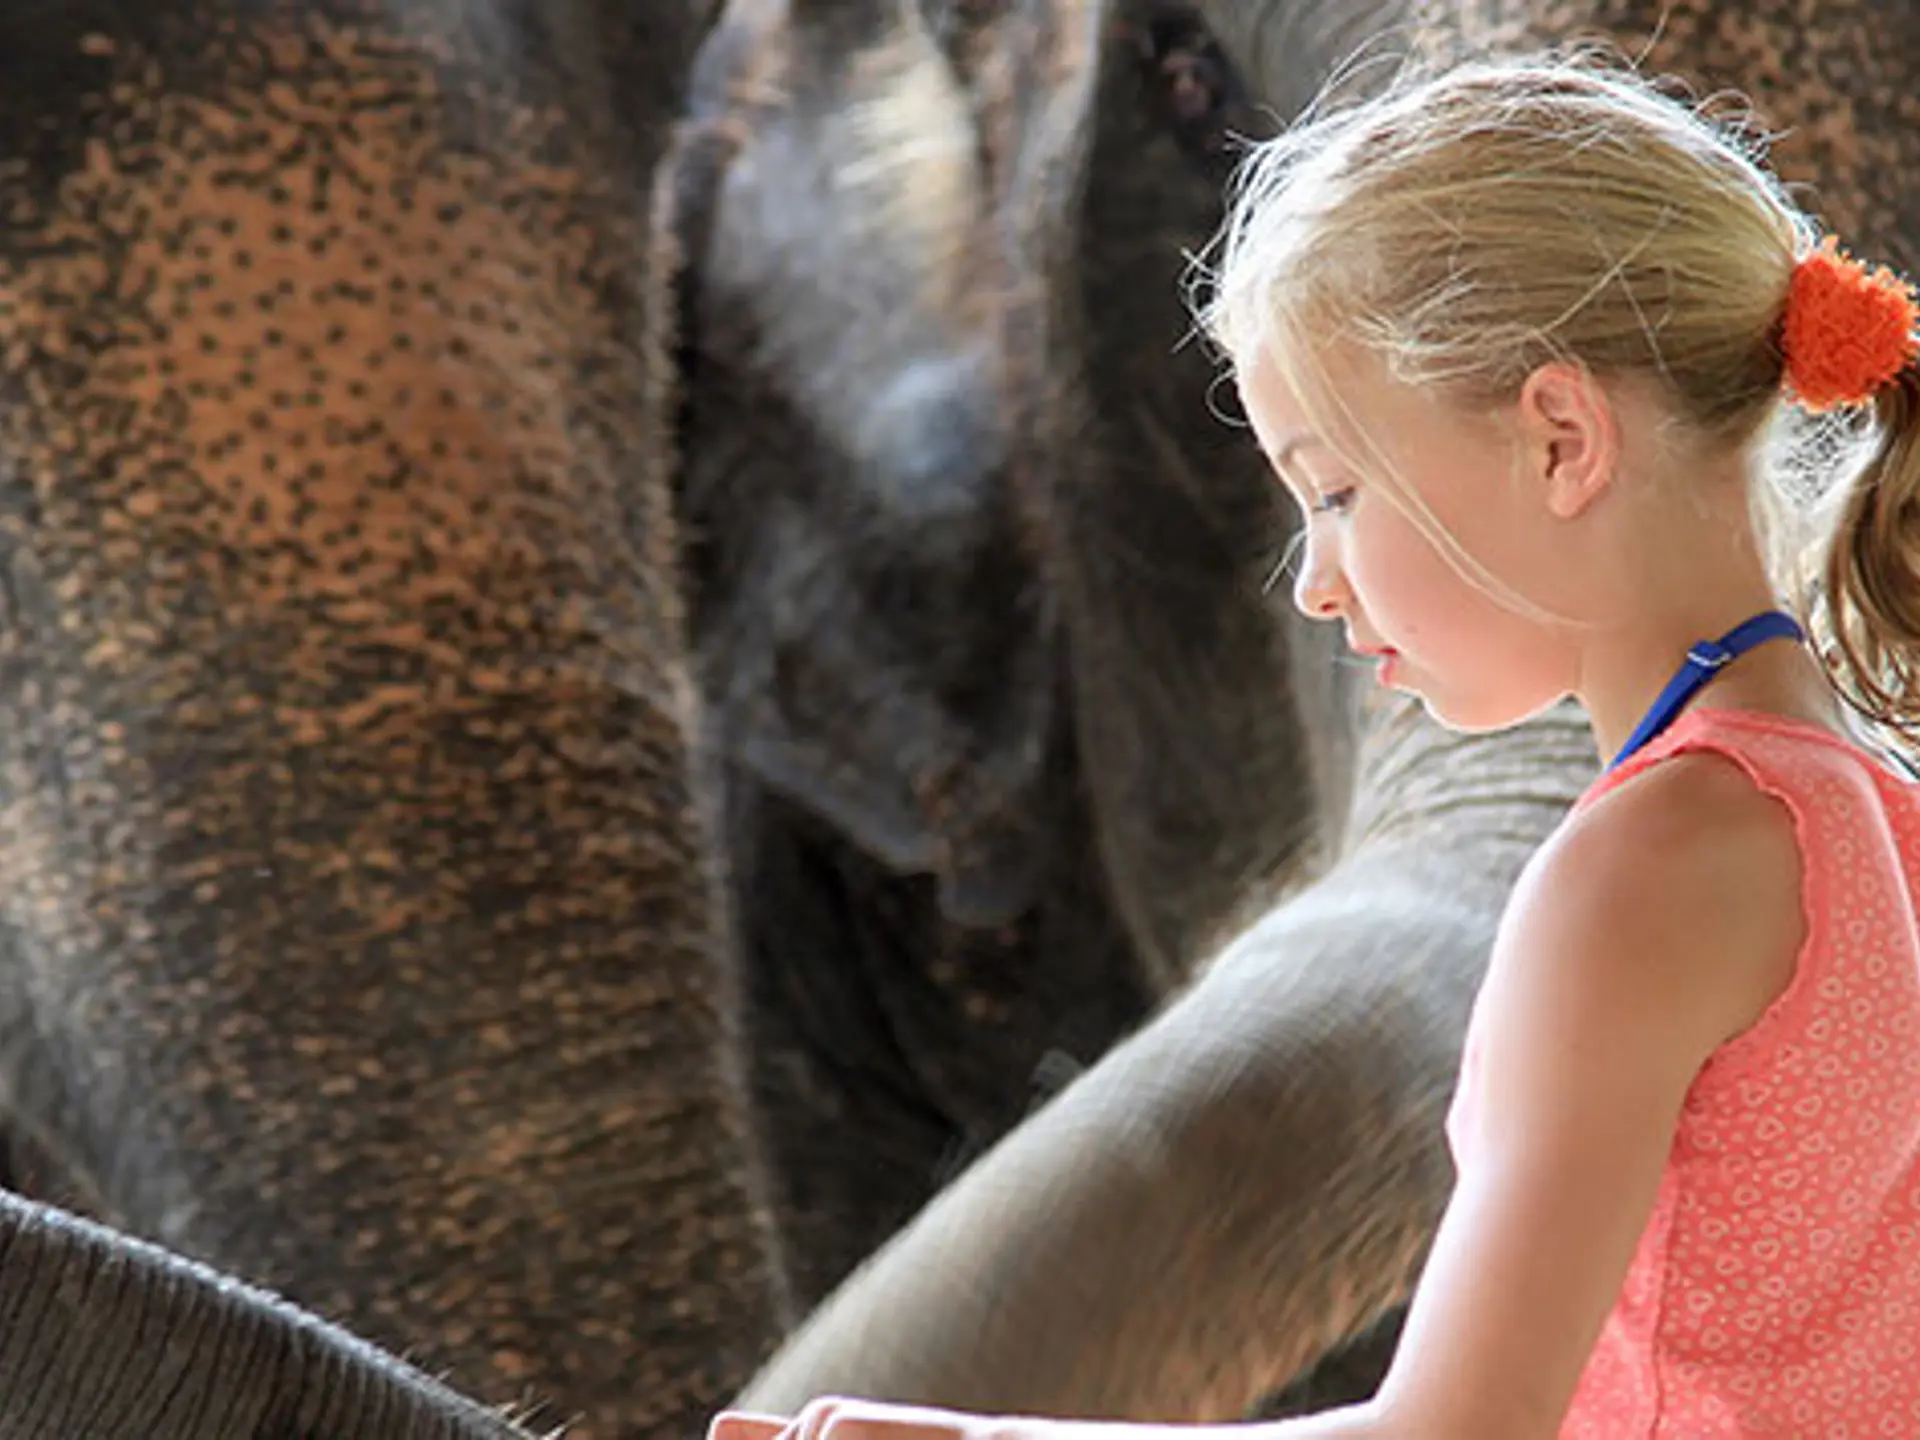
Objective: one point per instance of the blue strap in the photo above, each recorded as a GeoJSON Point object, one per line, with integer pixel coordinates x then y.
{"type": "Point", "coordinates": [1703, 662]}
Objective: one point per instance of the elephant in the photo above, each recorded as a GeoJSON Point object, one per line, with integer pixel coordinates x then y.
{"type": "Point", "coordinates": [900, 720]}
{"type": "Point", "coordinates": [362, 928]}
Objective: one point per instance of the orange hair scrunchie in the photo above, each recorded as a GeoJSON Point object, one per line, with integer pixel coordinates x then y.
{"type": "Point", "coordinates": [1848, 331]}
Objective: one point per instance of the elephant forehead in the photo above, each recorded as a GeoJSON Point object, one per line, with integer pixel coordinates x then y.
{"type": "Point", "coordinates": [341, 326]}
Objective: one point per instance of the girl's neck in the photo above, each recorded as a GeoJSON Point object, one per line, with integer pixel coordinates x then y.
{"type": "Point", "coordinates": [1775, 678]}
{"type": "Point", "coordinates": [1705, 579]}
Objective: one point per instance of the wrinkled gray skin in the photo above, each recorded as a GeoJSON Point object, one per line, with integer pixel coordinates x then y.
{"type": "Point", "coordinates": [108, 1336]}
{"type": "Point", "coordinates": [975, 367]}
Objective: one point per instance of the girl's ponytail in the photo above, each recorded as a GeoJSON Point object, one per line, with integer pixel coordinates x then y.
{"type": "Point", "coordinates": [1871, 588]}
{"type": "Point", "coordinates": [1850, 337]}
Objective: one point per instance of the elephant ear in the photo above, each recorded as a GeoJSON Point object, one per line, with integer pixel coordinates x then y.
{"type": "Point", "coordinates": [862, 195]}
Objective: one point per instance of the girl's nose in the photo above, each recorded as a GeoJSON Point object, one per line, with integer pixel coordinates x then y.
{"type": "Point", "coordinates": [1320, 592]}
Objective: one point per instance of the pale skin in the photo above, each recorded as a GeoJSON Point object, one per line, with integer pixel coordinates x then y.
{"type": "Point", "coordinates": [1653, 927]}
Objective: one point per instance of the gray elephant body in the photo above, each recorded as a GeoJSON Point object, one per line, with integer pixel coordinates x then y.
{"type": "Point", "coordinates": [1005, 736]}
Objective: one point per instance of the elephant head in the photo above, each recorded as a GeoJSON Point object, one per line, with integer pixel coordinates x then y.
{"type": "Point", "coordinates": [976, 582]}
{"type": "Point", "coordinates": [929, 246]}
{"type": "Point", "coordinates": [864, 516]}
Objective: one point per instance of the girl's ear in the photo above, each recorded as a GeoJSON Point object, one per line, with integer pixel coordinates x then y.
{"type": "Point", "coordinates": [1568, 435]}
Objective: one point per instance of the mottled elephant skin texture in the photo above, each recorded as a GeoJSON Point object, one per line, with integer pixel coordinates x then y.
{"type": "Point", "coordinates": [360, 932]}
{"type": "Point", "coordinates": [627, 633]}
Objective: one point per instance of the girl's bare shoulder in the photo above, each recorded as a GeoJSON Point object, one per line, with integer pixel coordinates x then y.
{"type": "Point", "coordinates": [1682, 886]}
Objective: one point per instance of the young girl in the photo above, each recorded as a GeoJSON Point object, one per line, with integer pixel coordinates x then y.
{"type": "Point", "coordinates": [1516, 338]}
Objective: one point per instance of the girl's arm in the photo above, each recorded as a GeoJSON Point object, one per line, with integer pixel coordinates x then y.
{"type": "Point", "coordinates": [1650, 930]}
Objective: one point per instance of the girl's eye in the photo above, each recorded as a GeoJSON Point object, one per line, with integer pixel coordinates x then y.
{"type": "Point", "coordinates": [1334, 502]}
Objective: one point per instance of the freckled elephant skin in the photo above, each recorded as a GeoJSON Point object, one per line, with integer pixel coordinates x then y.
{"type": "Point", "coordinates": [1253, 1176]}
{"type": "Point", "coordinates": [235, 1362]}
{"type": "Point", "coordinates": [358, 934]}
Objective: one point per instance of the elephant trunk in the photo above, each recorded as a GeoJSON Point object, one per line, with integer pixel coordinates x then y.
{"type": "Point", "coordinates": [1059, 1276]}
{"type": "Point", "coordinates": [1271, 1143]}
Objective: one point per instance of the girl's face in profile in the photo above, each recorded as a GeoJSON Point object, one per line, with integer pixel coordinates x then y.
{"type": "Point", "coordinates": [1403, 593]}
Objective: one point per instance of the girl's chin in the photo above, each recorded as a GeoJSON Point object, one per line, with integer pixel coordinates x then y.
{"type": "Point", "coordinates": [1474, 719]}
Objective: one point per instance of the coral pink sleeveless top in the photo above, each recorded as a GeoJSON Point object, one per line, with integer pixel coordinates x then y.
{"type": "Point", "coordinates": [1776, 1289]}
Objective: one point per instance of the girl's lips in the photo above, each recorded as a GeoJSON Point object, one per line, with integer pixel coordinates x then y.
{"type": "Point", "coordinates": [1385, 655]}
{"type": "Point", "coordinates": [1386, 659]}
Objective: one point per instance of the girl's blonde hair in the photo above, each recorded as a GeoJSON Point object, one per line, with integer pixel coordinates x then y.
{"type": "Point", "coordinates": [1470, 226]}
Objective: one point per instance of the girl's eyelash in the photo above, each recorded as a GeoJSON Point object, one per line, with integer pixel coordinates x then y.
{"type": "Point", "coordinates": [1333, 501]}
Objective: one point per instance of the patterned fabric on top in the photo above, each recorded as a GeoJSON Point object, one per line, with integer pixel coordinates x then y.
{"type": "Point", "coordinates": [1776, 1289]}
